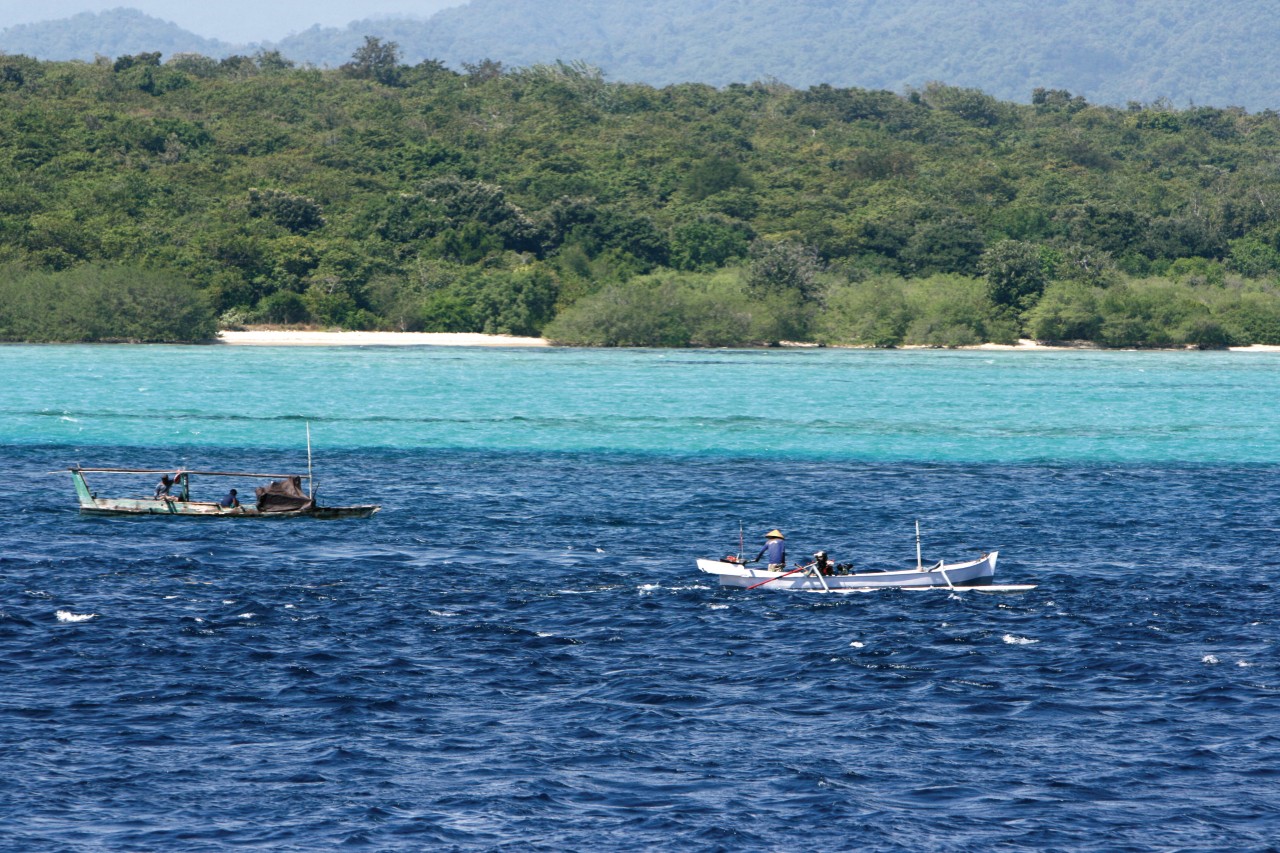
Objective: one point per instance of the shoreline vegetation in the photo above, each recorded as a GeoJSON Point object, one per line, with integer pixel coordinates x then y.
{"type": "Point", "coordinates": [157, 200]}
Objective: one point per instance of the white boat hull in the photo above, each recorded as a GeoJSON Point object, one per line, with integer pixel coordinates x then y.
{"type": "Point", "coordinates": [973, 573]}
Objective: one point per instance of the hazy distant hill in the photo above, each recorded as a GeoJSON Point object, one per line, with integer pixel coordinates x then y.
{"type": "Point", "coordinates": [1110, 51]}
{"type": "Point", "coordinates": [114, 33]}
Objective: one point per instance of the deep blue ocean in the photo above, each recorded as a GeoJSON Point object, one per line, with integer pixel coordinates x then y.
{"type": "Point", "coordinates": [518, 652]}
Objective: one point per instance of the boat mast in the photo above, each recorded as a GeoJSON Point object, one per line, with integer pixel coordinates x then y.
{"type": "Point", "coordinates": [919, 562]}
{"type": "Point", "coordinates": [311, 484]}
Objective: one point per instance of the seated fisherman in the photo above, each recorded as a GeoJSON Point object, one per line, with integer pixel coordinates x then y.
{"type": "Point", "coordinates": [230, 501]}
{"type": "Point", "coordinates": [823, 564]}
{"type": "Point", "coordinates": [162, 487]}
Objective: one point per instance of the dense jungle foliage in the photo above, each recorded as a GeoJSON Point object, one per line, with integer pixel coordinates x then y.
{"type": "Point", "coordinates": [545, 200]}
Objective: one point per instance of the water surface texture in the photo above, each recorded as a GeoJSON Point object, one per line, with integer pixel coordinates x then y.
{"type": "Point", "coordinates": [517, 653]}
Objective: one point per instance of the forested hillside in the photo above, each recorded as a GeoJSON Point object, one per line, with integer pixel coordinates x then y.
{"type": "Point", "coordinates": [547, 200]}
{"type": "Point", "coordinates": [1109, 51]}
{"type": "Point", "coordinates": [112, 33]}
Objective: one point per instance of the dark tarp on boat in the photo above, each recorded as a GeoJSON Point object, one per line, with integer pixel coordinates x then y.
{"type": "Point", "coordinates": [283, 496]}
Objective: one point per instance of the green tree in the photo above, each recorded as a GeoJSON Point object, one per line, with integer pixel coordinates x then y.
{"type": "Point", "coordinates": [1015, 273]}
{"type": "Point", "coordinates": [708, 242]}
{"type": "Point", "coordinates": [375, 60]}
{"type": "Point", "coordinates": [784, 267]}
{"type": "Point", "coordinates": [297, 213]}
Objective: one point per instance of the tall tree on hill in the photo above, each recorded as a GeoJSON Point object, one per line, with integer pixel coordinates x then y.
{"type": "Point", "coordinates": [375, 60]}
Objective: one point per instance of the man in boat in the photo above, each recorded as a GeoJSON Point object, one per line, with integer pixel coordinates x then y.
{"type": "Point", "coordinates": [823, 564]}
{"type": "Point", "coordinates": [230, 501]}
{"type": "Point", "coordinates": [776, 549]}
{"type": "Point", "coordinates": [162, 487]}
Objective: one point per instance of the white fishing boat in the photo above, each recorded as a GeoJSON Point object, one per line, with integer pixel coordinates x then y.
{"type": "Point", "coordinates": [970, 573]}
{"type": "Point", "coordinates": [823, 576]}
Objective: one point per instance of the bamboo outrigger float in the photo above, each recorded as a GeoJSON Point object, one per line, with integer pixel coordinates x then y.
{"type": "Point", "coordinates": [281, 498]}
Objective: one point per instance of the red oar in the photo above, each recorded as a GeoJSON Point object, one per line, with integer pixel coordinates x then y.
{"type": "Point", "coordinates": [779, 577]}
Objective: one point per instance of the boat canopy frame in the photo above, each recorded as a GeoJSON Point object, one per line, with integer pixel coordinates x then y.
{"type": "Point", "coordinates": [183, 471]}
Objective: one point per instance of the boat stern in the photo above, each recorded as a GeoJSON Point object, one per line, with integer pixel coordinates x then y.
{"type": "Point", "coordinates": [82, 488]}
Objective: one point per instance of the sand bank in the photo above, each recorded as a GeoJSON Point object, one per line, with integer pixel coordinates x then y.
{"type": "Point", "coordinates": [1027, 345]}
{"type": "Point", "coordinates": [286, 338]}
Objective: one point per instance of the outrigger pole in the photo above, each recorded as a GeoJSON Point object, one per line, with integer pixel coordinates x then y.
{"type": "Point", "coordinates": [178, 471]}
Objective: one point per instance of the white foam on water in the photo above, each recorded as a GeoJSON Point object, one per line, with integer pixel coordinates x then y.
{"type": "Point", "coordinates": [543, 634]}
{"type": "Point", "coordinates": [717, 607]}
{"type": "Point", "coordinates": [1243, 663]}
{"type": "Point", "coordinates": [599, 550]}
{"type": "Point", "coordinates": [443, 612]}
{"type": "Point", "coordinates": [68, 616]}
{"type": "Point", "coordinates": [1018, 641]}
{"type": "Point", "coordinates": [246, 615]}
{"type": "Point", "coordinates": [857, 645]}
{"type": "Point", "coordinates": [1209, 659]}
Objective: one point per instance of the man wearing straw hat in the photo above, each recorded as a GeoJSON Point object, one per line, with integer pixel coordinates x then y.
{"type": "Point", "coordinates": [776, 549]}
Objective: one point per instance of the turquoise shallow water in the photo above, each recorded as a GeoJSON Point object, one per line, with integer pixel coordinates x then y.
{"type": "Point", "coordinates": [967, 406]}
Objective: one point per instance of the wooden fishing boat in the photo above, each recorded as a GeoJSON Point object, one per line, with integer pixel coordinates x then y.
{"type": "Point", "coordinates": [282, 497]}
{"type": "Point", "coordinates": [968, 574]}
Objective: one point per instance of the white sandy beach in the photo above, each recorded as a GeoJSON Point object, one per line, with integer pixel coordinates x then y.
{"type": "Point", "coordinates": [286, 338]}
{"type": "Point", "coordinates": [291, 337]}
{"type": "Point", "coordinates": [1028, 345]}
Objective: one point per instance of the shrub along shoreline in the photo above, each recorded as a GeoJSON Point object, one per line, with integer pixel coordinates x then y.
{"type": "Point", "coordinates": [720, 309]}
{"type": "Point", "coordinates": [941, 310]}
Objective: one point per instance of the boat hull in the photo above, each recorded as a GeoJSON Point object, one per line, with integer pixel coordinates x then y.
{"type": "Point", "coordinates": [203, 509]}
{"type": "Point", "coordinates": [970, 573]}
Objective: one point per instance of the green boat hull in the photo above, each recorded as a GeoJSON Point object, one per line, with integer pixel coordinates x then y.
{"type": "Point", "coordinates": [126, 506]}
